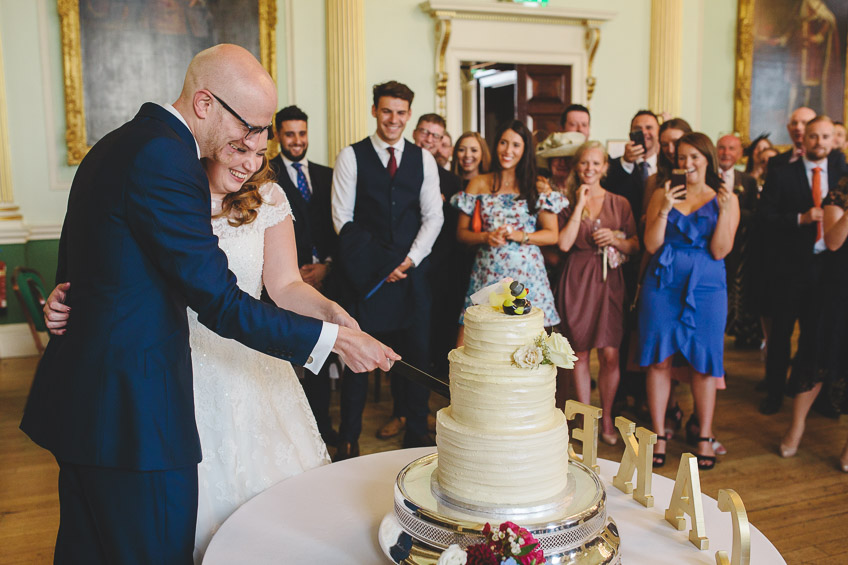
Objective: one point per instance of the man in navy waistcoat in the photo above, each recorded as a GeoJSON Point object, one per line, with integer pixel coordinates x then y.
{"type": "Point", "coordinates": [387, 210]}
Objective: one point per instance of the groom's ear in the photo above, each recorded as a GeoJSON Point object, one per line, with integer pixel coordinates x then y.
{"type": "Point", "coordinates": [202, 104]}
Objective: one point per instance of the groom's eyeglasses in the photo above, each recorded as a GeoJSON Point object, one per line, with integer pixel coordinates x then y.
{"type": "Point", "coordinates": [251, 130]}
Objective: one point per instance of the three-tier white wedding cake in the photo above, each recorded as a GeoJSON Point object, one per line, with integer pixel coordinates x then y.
{"type": "Point", "coordinates": [502, 442]}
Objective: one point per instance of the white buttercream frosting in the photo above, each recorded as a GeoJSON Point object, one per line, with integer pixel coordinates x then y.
{"type": "Point", "coordinates": [502, 440]}
{"type": "Point", "coordinates": [494, 336]}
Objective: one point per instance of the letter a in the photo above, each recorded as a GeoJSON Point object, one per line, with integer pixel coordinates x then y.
{"type": "Point", "coordinates": [686, 499]}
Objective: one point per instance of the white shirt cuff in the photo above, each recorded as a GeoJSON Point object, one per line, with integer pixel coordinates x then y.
{"type": "Point", "coordinates": [627, 166]}
{"type": "Point", "coordinates": [414, 256]}
{"type": "Point", "coordinates": [322, 349]}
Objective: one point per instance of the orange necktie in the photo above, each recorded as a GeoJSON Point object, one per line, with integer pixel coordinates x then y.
{"type": "Point", "coordinates": [817, 198]}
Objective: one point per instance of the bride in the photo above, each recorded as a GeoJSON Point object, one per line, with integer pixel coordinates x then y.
{"type": "Point", "coordinates": [255, 424]}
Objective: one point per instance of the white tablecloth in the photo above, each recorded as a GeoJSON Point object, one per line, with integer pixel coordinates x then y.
{"type": "Point", "coordinates": [332, 514]}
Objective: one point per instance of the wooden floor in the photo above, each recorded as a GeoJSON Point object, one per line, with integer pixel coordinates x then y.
{"type": "Point", "coordinates": [800, 504]}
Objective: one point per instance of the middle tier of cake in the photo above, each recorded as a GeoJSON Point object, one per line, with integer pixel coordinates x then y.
{"type": "Point", "coordinates": [499, 396]}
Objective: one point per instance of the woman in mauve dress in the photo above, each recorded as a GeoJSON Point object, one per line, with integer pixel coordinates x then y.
{"type": "Point", "coordinates": [599, 233]}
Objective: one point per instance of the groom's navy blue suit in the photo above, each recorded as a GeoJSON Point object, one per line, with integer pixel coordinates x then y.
{"type": "Point", "coordinates": [112, 398]}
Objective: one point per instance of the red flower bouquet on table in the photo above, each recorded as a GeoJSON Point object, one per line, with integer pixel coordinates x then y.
{"type": "Point", "coordinates": [510, 544]}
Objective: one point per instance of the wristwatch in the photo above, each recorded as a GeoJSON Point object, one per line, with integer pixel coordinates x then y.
{"type": "Point", "coordinates": [526, 238]}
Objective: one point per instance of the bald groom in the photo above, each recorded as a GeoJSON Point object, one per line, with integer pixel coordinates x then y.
{"type": "Point", "coordinates": [112, 398]}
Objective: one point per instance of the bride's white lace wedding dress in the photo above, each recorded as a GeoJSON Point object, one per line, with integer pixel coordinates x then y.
{"type": "Point", "coordinates": [255, 424]}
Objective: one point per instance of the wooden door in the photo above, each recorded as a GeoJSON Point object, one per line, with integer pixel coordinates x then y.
{"type": "Point", "coordinates": [543, 93]}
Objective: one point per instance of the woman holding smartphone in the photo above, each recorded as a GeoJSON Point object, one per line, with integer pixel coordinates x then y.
{"type": "Point", "coordinates": [515, 219]}
{"type": "Point", "coordinates": [683, 306]}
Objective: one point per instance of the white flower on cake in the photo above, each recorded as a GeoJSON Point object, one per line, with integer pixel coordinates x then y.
{"type": "Point", "coordinates": [546, 349]}
{"type": "Point", "coordinates": [453, 555]}
{"type": "Point", "coordinates": [528, 357]}
{"type": "Point", "coordinates": [559, 351]}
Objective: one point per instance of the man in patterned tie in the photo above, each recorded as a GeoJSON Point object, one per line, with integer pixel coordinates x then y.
{"type": "Point", "coordinates": [307, 187]}
{"type": "Point", "coordinates": [387, 210]}
{"type": "Point", "coordinates": [792, 214]}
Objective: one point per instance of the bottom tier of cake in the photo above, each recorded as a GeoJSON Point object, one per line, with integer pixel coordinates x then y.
{"type": "Point", "coordinates": [521, 469]}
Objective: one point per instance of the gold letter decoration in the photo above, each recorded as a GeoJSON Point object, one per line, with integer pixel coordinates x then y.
{"type": "Point", "coordinates": [730, 501]}
{"type": "Point", "coordinates": [686, 499]}
{"type": "Point", "coordinates": [587, 435]}
{"type": "Point", "coordinates": [638, 456]}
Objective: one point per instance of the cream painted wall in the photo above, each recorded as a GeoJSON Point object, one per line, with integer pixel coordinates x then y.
{"type": "Point", "coordinates": [403, 53]}
{"type": "Point", "coordinates": [718, 77]}
{"type": "Point", "coordinates": [31, 138]}
{"type": "Point", "coordinates": [310, 69]}
{"type": "Point", "coordinates": [399, 44]}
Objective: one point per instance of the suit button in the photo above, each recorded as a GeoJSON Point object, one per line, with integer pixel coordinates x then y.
{"type": "Point", "coordinates": [309, 361]}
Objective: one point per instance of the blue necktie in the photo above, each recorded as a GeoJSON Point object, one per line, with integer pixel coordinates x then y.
{"type": "Point", "coordinates": [644, 171]}
{"type": "Point", "coordinates": [302, 185]}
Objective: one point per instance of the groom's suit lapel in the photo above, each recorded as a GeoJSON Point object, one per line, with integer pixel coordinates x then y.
{"type": "Point", "coordinates": [157, 112]}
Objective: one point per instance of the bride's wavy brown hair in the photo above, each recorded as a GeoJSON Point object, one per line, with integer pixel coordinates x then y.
{"type": "Point", "coordinates": [240, 207]}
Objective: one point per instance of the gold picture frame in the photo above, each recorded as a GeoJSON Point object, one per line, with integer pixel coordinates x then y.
{"type": "Point", "coordinates": [76, 135]}
{"type": "Point", "coordinates": [760, 68]}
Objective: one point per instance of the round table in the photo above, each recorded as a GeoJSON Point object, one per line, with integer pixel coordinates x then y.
{"type": "Point", "coordinates": [331, 515]}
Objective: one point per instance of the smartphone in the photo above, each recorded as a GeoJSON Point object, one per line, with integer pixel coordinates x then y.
{"type": "Point", "coordinates": [678, 178]}
{"type": "Point", "coordinates": [638, 138]}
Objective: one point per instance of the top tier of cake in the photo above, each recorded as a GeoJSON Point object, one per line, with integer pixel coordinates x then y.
{"type": "Point", "coordinates": [494, 336]}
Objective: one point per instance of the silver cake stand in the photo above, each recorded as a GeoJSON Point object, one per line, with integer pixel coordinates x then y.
{"type": "Point", "coordinates": [423, 524]}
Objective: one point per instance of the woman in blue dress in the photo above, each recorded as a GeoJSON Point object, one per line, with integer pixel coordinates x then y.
{"type": "Point", "coordinates": [517, 214]}
{"type": "Point", "coordinates": [683, 305]}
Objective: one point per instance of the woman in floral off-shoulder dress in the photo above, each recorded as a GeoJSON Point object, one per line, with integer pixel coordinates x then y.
{"type": "Point", "coordinates": [512, 219]}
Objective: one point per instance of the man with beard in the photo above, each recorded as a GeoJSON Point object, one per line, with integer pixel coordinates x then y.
{"type": "Point", "coordinates": [307, 187]}
{"type": "Point", "coordinates": [792, 215]}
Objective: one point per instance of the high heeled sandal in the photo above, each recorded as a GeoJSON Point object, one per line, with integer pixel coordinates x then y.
{"type": "Point", "coordinates": [659, 458]}
{"type": "Point", "coordinates": [673, 421]}
{"type": "Point", "coordinates": [693, 431]}
{"type": "Point", "coordinates": [710, 460]}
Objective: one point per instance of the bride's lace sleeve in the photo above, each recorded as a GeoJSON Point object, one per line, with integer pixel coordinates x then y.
{"type": "Point", "coordinates": [276, 207]}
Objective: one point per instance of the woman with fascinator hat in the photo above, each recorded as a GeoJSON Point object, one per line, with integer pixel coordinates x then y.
{"type": "Point", "coordinates": [554, 154]}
